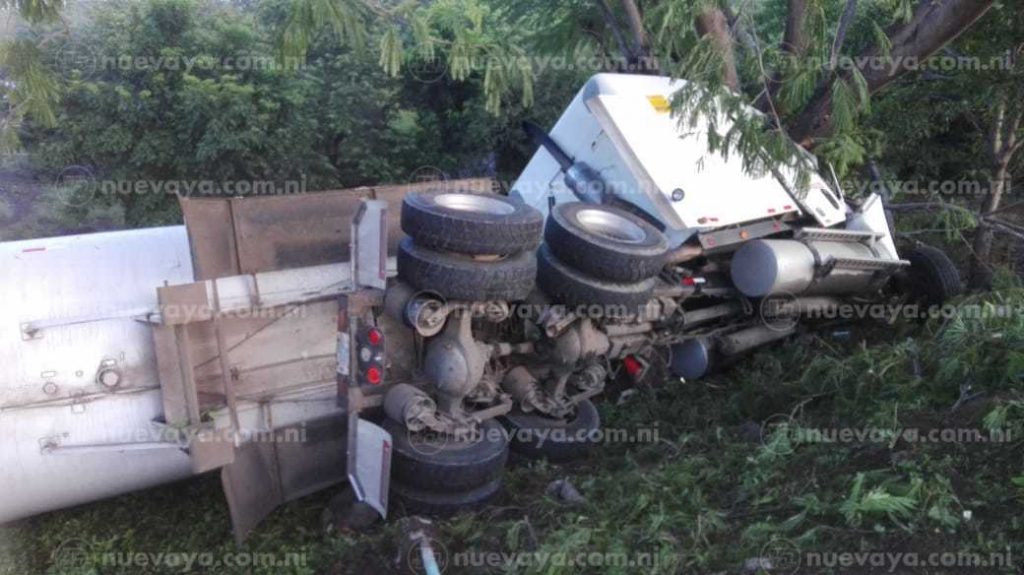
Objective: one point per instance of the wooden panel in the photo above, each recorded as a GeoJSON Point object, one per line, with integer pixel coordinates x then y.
{"type": "Point", "coordinates": [268, 355]}
{"type": "Point", "coordinates": [290, 232]}
{"type": "Point", "coordinates": [211, 235]}
{"type": "Point", "coordinates": [233, 236]}
{"type": "Point", "coordinates": [172, 380]}
{"type": "Point", "coordinates": [182, 304]}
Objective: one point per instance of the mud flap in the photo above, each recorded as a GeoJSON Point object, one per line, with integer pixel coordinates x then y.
{"type": "Point", "coordinates": [371, 473]}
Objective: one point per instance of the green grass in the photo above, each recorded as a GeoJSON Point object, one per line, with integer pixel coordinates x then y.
{"type": "Point", "coordinates": [711, 494]}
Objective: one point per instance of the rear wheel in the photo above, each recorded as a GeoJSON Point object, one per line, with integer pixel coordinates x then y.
{"type": "Point", "coordinates": [476, 224]}
{"type": "Point", "coordinates": [568, 286]}
{"type": "Point", "coordinates": [933, 277]}
{"type": "Point", "coordinates": [442, 463]}
{"type": "Point", "coordinates": [539, 437]}
{"type": "Point", "coordinates": [444, 504]}
{"type": "Point", "coordinates": [605, 242]}
{"type": "Point", "coordinates": [460, 277]}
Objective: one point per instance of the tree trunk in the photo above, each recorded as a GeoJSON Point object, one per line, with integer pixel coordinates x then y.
{"type": "Point", "coordinates": [641, 48]}
{"type": "Point", "coordinates": [981, 270]}
{"type": "Point", "coordinates": [933, 25]}
{"type": "Point", "coordinates": [794, 43]}
{"type": "Point", "coordinates": [613, 24]}
{"type": "Point", "coordinates": [794, 40]}
{"type": "Point", "coordinates": [713, 23]}
{"type": "Point", "coordinates": [1003, 143]}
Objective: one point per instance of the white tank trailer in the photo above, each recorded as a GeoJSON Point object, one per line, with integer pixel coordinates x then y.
{"type": "Point", "coordinates": [79, 389]}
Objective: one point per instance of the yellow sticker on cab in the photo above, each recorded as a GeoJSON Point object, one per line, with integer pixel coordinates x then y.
{"type": "Point", "coordinates": [660, 103]}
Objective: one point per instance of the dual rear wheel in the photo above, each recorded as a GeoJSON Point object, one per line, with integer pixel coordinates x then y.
{"type": "Point", "coordinates": [469, 247]}
{"type": "Point", "coordinates": [440, 475]}
{"type": "Point", "coordinates": [600, 255]}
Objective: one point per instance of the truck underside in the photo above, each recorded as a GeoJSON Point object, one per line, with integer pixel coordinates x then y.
{"type": "Point", "coordinates": [491, 325]}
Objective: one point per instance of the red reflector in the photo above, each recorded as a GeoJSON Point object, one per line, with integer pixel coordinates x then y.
{"type": "Point", "coordinates": [689, 282]}
{"type": "Point", "coordinates": [374, 336]}
{"type": "Point", "coordinates": [373, 375]}
{"type": "Point", "coordinates": [787, 207]}
{"type": "Point", "coordinates": [633, 367]}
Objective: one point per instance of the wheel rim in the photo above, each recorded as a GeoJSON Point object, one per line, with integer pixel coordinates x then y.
{"type": "Point", "coordinates": [610, 226]}
{"type": "Point", "coordinates": [474, 203]}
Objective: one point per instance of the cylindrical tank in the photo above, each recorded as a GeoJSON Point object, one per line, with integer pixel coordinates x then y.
{"type": "Point", "coordinates": [79, 390]}
{"type": "Point", "coordinates": [692, 359]}
{"type": "Point", "coordinates": [765, 267]}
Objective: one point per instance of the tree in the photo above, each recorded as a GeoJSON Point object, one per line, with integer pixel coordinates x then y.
{"type": "Point", "coordinates": [157, 104]}
{"type": "Point", "coordinates": [28, 88]}
{"type": "Point", "coordinates": [794, 79]}
{"type": "Point", "coordinates": [998, 113]}
{"type": "Point", "coordinates": [962, 123]}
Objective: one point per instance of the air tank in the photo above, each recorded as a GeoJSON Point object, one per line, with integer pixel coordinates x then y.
{"type": "Point", "coordinates": [692, 358]}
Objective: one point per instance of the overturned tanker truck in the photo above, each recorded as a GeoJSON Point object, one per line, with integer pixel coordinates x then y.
{"type": "Point", "coordinates": [406, 338]}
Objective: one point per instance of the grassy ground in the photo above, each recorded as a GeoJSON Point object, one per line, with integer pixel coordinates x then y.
{"type": "Point", "coordinates": [721, 482]}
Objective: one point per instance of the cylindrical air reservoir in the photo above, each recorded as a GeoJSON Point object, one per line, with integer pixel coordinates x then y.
{"type": "Point", "coordinates": [692, 358]}
{"type": "Point", "coordinates": [764, 267]}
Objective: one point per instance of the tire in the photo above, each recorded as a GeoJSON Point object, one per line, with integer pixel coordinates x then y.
{"type": "Point", "coordinates": [933, 277]}
{"type": "Point", "coordinates": [605, 242]}
{"type": "Point", "coordinates": [570, 287]}
{"type": "Point", "coordinates": [538, 437]}
{"type": "Point", "coordinates": [441, 504]}
{"type": "Point", "coordinates": [448, 466]}
{"type": "Point", "coordinates": [476, 224]}
{"type": "Point", "coordinates": [463, 278]}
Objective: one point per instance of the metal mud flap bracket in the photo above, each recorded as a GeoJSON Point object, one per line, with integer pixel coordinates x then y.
{"type": "Point", "coordinates": [361, 357]}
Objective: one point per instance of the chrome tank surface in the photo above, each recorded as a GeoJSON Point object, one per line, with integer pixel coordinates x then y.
{"type": "Point", "coordinates": [79, 390]}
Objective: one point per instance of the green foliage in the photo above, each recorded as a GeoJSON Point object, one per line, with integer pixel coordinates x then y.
{"type": "Point", "coordinates": [466, 35]}
{"type": "Point", "coordinates": [35, 94]}
{"type": "Point", "coordinates": [167, 100]}
{"type": "Point", "coordinates": [35, 10]}
{"type": "Point", "coordinates": [862, 504]}
{"type": "Point", "coordinates": [345, 18]}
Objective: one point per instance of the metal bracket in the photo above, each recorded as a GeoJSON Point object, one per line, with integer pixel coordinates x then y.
{"type": "Point", "coordinates": [830, 235]}
{"type": "Point", "coordinates": [33, 329]}
{"type": "Point", "coordinates": [370, 245]}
